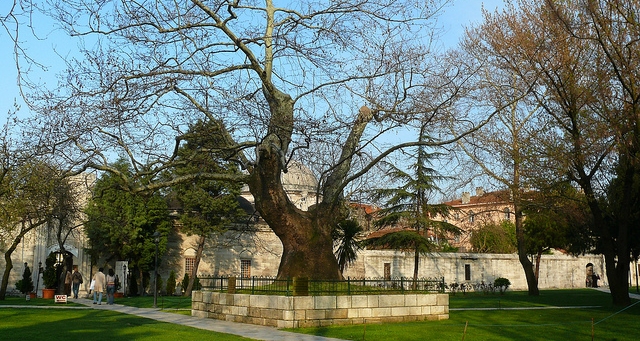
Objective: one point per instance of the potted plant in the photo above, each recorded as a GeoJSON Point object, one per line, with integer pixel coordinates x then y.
{"type": "Point", "coordinates": [49, 277]}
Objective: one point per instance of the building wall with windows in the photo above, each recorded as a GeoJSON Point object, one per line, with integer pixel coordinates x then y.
{"type": "Point", "coordinates": [473, 211]}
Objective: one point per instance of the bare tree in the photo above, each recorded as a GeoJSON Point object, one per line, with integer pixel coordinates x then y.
{"type": "Point", "coordinates": [283, 81]}
{"type": "Point", "coordinates": [574, 59]}
{"type": "Point", "coordinates": [501, 151]}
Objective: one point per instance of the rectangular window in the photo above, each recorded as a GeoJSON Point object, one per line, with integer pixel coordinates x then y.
{"type": "Point", "coordinates": [387, 271]}
{"type": "Point", "coordinates": [245, 268]}
{"type": "Point", "coordinates": [189, 263]}
{"type": "Point", "coordinates": [467, 272]}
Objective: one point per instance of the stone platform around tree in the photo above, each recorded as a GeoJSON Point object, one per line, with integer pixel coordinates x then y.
{"type": "Point", "coordinates": [315, 311]}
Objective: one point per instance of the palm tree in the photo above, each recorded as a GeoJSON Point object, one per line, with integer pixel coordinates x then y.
{"type": "Point", "coordinates": [346, 238]}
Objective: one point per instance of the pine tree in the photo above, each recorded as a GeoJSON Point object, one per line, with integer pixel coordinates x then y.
{"type": "Point", "coordinates": [25, 285]}
{"type": "Point", "coordinates": [408, 206]}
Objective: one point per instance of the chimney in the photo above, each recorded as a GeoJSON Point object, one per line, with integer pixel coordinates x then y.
{"type": "Point", "coordinates": [479, 191]}
{"type": "Point", "coordinates": [466, 197]}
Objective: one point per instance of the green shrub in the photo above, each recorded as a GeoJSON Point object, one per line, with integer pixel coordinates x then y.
{"type": "Point", "coordinates": [502, 284]}
{"type": "Point", "coordinates": [185, 282]}
{"type": "Point", "coordinates": [171, 283]}
{"type": "Point", "coordinates": [49, 276]}
{"type": "Point", "coordinates": [25, 285]}
{"type": "Point", "coordinates": [158, 283]}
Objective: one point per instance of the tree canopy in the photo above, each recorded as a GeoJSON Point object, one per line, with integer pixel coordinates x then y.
{"type": "Point", "coordinates": [120, 225]}
{"type": "Point", "coordinates": [205, 207]}
{"type": "Point", "coordinates": [322, 83]}
{"type": "Point", "coordinates": [576, 62]}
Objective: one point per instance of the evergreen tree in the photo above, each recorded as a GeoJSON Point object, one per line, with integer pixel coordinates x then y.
{"type": "Point", "coordinates": [120, 224]}
{"type": "Point", "coordinates": [25, 285]}
{"type": "Point", "coordinates": [207, 207]}
{"type": "Point", "coordinates": [408, 206]}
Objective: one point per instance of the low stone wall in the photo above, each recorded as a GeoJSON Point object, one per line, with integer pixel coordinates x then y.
{"type": "Point", "coordinates": [314, 311]}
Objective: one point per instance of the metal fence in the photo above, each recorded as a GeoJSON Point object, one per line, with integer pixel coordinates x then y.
{"type": "Point", "coordinates": [303, 287]}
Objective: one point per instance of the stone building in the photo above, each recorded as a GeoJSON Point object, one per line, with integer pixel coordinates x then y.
{"type": "Point", "coordinates": [252, 249]}
{"type": "Point", "coordinates": [473, 211]}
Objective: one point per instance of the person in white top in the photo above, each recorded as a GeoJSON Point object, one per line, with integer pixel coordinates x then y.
{"type": "Point", "coordinates": [98, 286]}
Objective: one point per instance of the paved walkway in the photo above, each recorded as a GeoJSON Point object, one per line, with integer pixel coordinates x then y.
{"type": "Point", "coordinates": [606, 289]}
{"type": "Point", "coordinates": [246, 330]}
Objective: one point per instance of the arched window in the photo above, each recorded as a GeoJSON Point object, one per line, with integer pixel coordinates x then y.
{"type": "Point", "coordinates": [472, 216]}
{"type": "Point", "coordinates": [507, 213]}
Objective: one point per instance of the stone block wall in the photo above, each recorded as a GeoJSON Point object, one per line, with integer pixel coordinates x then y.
{"type": "Point", "coordinates": [317, 311]}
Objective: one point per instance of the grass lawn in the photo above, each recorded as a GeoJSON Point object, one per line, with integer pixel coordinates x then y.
{"type": "Point", "coordinates": [36, 302]}
{"type": "Point", "coordinates": [609, 323]}
{"type": "Point", "coordinates": [178, 304]}
{"type": "Point", "coordinates": [94, 325]}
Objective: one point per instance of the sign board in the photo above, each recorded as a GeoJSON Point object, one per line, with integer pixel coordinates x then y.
{"type": "Point", "coordinates": [60, 298]}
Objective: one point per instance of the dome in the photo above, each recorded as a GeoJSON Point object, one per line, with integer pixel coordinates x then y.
{"type": "Point", "coordinates": [299, 178]}
{"type": "Point", "coordinates": [298, 182]}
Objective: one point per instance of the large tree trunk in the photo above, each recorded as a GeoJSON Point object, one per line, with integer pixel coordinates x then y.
{"type": "Point", "coordinates": [617, 258]}
{"type": "Point", "coordinates": [618, 277]}
{"type": "Point", "coordinates": [307, 252]}
{"type": "Point", "coordinates": [305, 236]}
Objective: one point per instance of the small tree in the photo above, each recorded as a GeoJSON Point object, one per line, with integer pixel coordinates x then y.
{"type": "Point", "coordinates": [25, 285]}
{"type": "Point", "coordinates": [171, 283]}
{"type": "Point", "coordinates": [495, 238]}
{"type": "Point", "coordinates": [345, 238]}
{"type": "Point", "coordinates": [407, 206]}
{"type": "Point", "coordinates": [49, 276]}
{"type": "Point", "coordinates": [185, 283]}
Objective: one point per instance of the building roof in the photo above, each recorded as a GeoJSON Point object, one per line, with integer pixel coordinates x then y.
{"type": "Point", "coordinates": [299, 178]}
{"type": "Point", "coordinates": [488, 198]}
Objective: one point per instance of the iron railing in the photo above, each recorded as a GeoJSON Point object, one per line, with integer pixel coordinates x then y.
{"type": "Point", "coordinates": [303, 287]}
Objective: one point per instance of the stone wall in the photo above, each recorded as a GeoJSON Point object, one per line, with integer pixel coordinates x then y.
{"type": "Point", "coordinates": [317, 311]}
{"type": "Point", "coordinates": [557, 271]}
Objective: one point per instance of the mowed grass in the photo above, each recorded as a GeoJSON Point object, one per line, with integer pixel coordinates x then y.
{"type": "Point", "coordinates": [21, 301]}
{"type": "Point", "coordinates": [95, 325]}
{"type": "Point", "coordinates": [605, 322]}
{"type": "Point", "coordinates": [164, 302]}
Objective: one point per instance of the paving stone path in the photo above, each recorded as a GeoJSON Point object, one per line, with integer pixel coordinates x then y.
{"type": "Point", "coordinates": [246, 330]}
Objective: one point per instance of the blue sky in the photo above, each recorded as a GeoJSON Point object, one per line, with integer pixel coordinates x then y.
{"type": "Point", "coordinates": [51, 42]}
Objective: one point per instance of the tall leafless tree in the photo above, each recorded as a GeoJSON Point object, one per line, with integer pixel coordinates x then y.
{"type": "Point", "coordinates": [284, 82]}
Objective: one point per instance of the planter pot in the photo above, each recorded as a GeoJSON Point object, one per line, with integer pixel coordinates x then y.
{"type": "Point", "coordinates": [48, 293]}
{"type": "Point", "coordinates": [118, 295]}
{"type": "Point", "coordinates": [32, 295]}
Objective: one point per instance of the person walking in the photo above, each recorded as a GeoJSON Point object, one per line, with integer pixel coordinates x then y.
{"type": "Point", "coordinates": [67, 283]}
{"type": "Point", "coordinates": [98, 286]}
{"type": "Point", "coordinates": [111, 286]}
{"type": "Point", "coordinates": [76, 280]}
